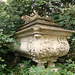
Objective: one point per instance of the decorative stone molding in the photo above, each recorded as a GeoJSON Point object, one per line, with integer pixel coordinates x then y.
{"type": "Point", "coordinates": [42, 41]}
{"type": "Point", "coordinates": [33, 16]}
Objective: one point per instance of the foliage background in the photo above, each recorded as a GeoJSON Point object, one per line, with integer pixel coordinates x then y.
{"type": "Point", "coordinates": [62, 12]}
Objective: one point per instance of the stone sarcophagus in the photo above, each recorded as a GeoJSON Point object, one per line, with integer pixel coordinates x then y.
{"type": "Point", "coordinates": [43, 41]}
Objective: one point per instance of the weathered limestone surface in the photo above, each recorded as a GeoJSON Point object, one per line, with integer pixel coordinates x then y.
{"type": "Point", "coordinates": [43, 41]}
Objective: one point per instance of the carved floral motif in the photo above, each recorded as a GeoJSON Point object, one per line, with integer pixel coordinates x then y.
{"type": "Point", "coordinates": [33, 16]}
{"type": "Point", "coordinates": [30, 46]}
{"type": "Point", "coordinates": [48, 46]}
{"type": "Point", "coordinates": [63, 46]}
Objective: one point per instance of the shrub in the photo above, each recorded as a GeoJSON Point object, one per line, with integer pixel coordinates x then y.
{"type": "Point", "coordinates": [67, 68]}
{"type": "Point", "coordinates": [42, 71]}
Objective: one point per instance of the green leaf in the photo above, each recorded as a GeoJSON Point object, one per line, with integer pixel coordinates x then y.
{"type": "Point", "coordinates": [1, 29]}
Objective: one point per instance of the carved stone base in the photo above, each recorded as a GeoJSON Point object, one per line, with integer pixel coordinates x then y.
{"type": "Point", "coordinates": [40, 64]}
{"type": "Point", "coordinates": [51, 64]}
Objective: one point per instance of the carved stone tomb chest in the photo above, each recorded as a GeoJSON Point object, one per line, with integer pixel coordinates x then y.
{"type": "Point", "coordinates": [43, 41]}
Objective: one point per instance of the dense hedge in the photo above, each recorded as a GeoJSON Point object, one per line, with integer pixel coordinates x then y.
{"type": "Point", "coordinates": [10, 21]}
